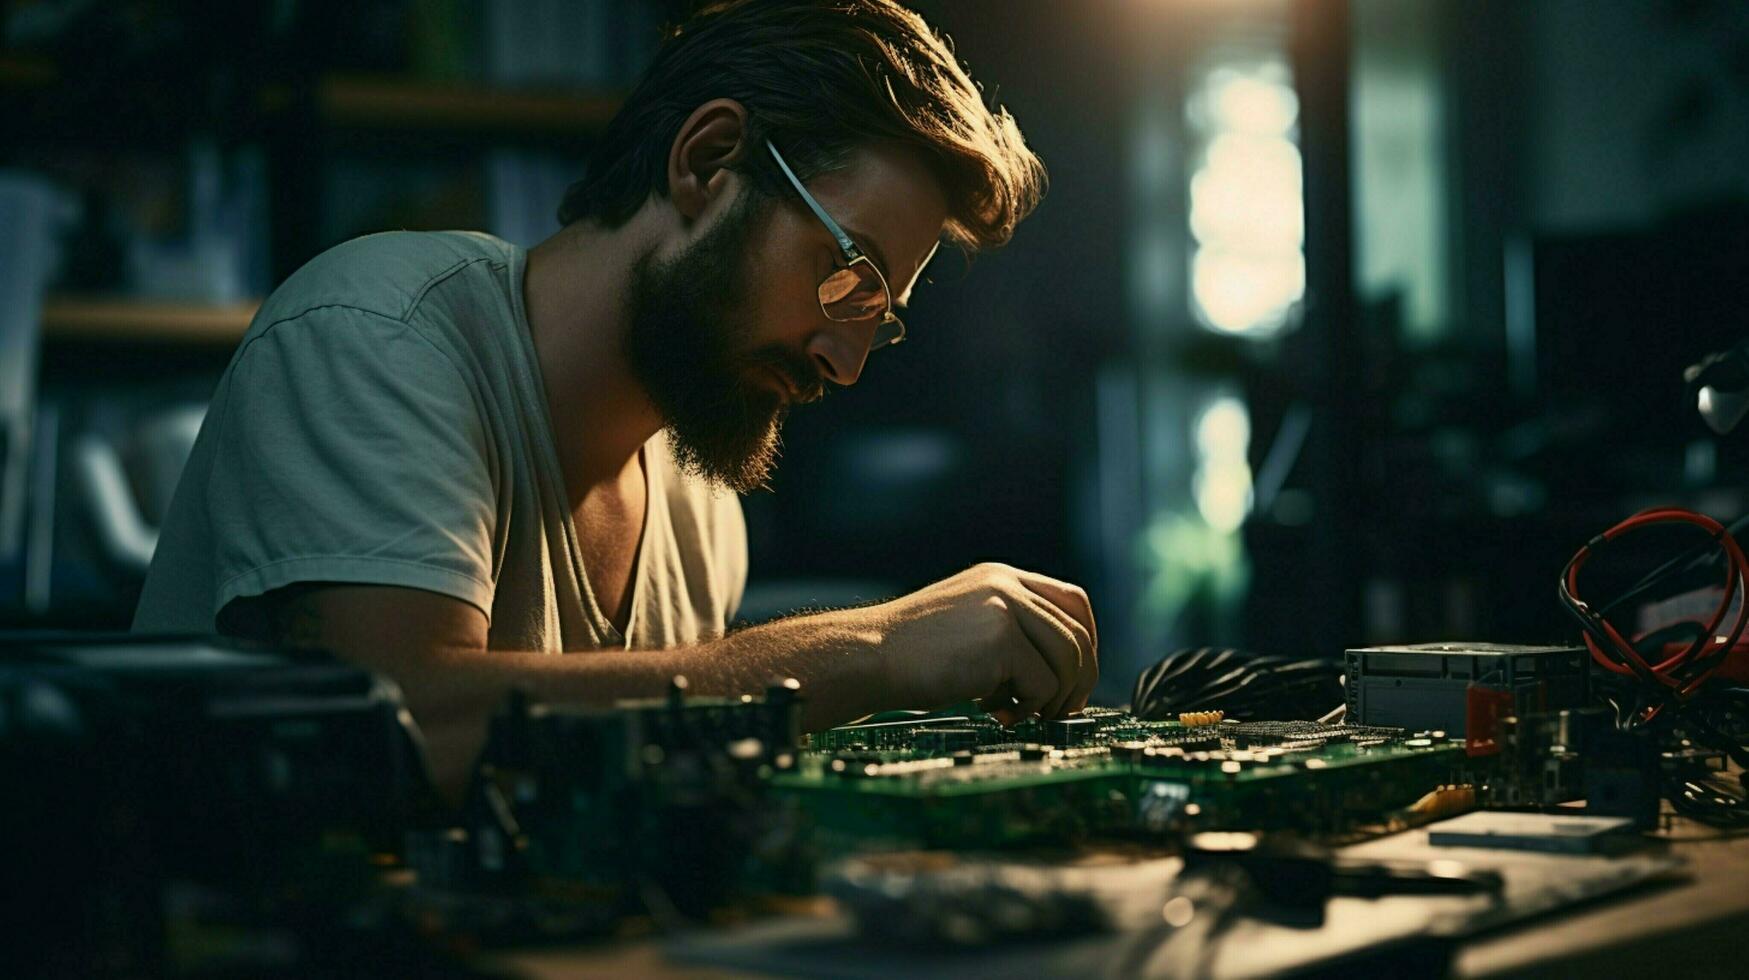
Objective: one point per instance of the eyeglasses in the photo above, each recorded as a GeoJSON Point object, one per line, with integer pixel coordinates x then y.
{"type": "Point", "coordinates": [859, 290]}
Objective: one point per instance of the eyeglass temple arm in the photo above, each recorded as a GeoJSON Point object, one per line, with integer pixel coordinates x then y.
{"type": "Point", "coordinates": [844, 241]}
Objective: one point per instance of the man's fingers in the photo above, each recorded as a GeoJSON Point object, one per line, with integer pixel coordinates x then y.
{"type": "Point", "coordinates": [1002, 707]}
{"type": "Point", "coordinates": [1083, 687]}
{"type": "Point", "coordinates": [1057, 648]}
{"type": "Point", "coordinates": [1034, 685]}
{"type": "Point", "coordinates": [1088, 674]}
{"type": "Point", "coordinates": [1064, 596]}
{"type": "Point", "coordinates": [1052, 667]}
{"type": "Point", "coordinates": [1087, 664]}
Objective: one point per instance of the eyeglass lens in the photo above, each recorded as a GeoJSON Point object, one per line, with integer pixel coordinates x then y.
{"type": "Point", "coordinates": [854, 293]}
{"type": "Point", "coordinates": [857, 293]}
{"type": "Point", "coordinates": [890, 331]}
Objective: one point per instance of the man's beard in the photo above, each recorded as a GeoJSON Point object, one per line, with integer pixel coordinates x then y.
{"type": "Point", "coordinates": [686, 342]}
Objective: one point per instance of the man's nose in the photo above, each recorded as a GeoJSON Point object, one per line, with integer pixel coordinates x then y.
{"type": "Point", "coordinates": [841, 348]}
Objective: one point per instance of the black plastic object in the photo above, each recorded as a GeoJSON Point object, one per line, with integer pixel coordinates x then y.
{"type": "Point", "coordinates": [1293, 878]}
{"type": "Point", "coordinates": [1243, 685]}
{"type": "Point", "coordinates": [579, 816]}
{"type": "Point", "coordinates": [135, 762]}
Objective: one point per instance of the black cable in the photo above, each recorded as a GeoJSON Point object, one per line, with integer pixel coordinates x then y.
{"type": "Point", "coordinates": [1241, 684]}
{"type": "Point", "coordinates": [1691, 785]}
{"type": "Point", "coordinates": [1691, 665]}
{"type": "Point", "coordinates": [1670, 570]}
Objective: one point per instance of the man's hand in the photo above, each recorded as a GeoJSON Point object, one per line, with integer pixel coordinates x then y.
{"type": "Point", "coordinates": [1020, 642]}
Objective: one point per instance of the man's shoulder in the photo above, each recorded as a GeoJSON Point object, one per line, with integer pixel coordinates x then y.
{"type": "Point", "coordinates": [386, 274]}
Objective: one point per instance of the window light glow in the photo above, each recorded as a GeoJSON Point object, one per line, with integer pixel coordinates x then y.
{"type": "Point", "coordinates": [1247, 208]}
{"type": "Point", "coordinates": [1222, 483]}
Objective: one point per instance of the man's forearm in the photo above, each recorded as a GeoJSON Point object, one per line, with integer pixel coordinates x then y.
{"type": "Point", "coordinates": [452, 693]}
{"type": "Point", "coordinates": [833, 661]}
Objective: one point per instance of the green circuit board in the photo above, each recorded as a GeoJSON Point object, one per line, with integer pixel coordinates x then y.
{"type": "Point", "coordinates": [708, 798]}
{"type": "Point", "coordinates": [962, 780]}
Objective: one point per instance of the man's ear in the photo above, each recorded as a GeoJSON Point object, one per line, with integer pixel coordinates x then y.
{"type": "Point", "coordinates": [711, 139]}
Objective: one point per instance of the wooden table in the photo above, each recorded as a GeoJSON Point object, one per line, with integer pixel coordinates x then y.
{"type": "Point", "coordinates": [1693, 928]}
{"type": "Point", "coordinates": [1697, 926]}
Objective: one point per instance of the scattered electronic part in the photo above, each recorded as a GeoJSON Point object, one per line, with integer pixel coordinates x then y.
{"type": "Point", "coordinates": [1544, 759]}
{"type": "Point", "coordinates": [145, 769]}
{"type": "Point", "coordinates": [1443, 802]}
{"type": "Point", "coordinates": [1538, 762]}
{"type": "Point", "coordinates": [1196, 719]}
{"type": "Point", "coordinates": [1622, 776]}
{"type": "Point", "coordinates": [1560, 833]}
{"type": "Point", "coordinates": [1427, 685]}
{"type": "Point", "coordinates": [587, 815]}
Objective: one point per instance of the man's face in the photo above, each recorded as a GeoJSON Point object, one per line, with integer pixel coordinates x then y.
{"type": "Point", "coordinates": [727, 332]}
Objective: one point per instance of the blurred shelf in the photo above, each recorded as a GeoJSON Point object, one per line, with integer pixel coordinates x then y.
{"type": "Point", "coordinates": [123, 318]}
{"type": "Point", "coordinates": [400, 104]}
{"type": "Point", "coordinates": [363, 103]}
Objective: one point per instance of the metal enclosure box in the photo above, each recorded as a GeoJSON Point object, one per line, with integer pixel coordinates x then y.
{"type": "Point", "coordinates": [1424, 686]}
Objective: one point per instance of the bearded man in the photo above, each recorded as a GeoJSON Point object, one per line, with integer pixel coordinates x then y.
{"type": "Point", "coordinates": [476, 468]}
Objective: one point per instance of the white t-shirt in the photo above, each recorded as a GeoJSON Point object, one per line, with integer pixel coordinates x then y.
{"type": "Point", "coordinates": [384, 422]}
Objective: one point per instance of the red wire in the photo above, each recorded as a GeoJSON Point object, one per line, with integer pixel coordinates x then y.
{"type": "Point", "coordinates": [1662, 670]}
{"type": "Point", "coordinates": [1694, 653]}
{"type": "Point", "coordinates": [1669, 672]}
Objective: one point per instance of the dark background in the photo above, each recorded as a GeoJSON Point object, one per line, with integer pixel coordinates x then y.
{"type": "Point", "coordinates": [1521, 220]}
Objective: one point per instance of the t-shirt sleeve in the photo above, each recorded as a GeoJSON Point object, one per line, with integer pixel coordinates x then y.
{"type": "Point", "coordinates": [351, 450]}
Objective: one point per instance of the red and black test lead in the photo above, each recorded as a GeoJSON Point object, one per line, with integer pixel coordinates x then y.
{"type": "Point", "coordinates": [1680, 674]}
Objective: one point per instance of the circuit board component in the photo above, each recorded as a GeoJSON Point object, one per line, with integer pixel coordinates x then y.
{"type": "Point", "coordinates": [962, 780]}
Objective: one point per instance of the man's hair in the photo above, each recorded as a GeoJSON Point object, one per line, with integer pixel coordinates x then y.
{"type": "Point", "coordinates": [818, 77]}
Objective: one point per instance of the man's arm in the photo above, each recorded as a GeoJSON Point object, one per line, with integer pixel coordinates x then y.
{"type": "Point", "coordinates": [1025, 642]}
